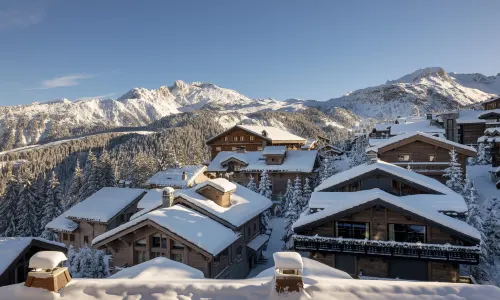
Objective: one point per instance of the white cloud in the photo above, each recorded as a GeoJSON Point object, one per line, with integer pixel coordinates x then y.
{"type": "Point", "coordinates": [105, 96]}
{"type": "Point", "coordinates": [21, 15]}
{"type": "Point", "coordinates": [69, 80]}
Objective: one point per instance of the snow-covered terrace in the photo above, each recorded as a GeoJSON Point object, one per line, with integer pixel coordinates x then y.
{"type": "Point", "coordinates": [173, 176]}
{"type": "Point", "coordinates": [295, 161]}
{"type": "Point", "coordinates": [245, 204]}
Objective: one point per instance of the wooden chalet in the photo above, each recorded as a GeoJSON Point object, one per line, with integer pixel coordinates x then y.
{"type": "Point", "coordinates": [380, 220]}
{"type": "Point", "coordinates": [16, 253]}
{"type": "Point", "coordinates": [280, 163]}
{"type": "Point", "coordinates": [106, 209]}
{"type": "Point", "coordinates": [213, 227]}
{"type": "Point", "coordinates": [493, 103]}
{"type": "Point", "coordinates": [253, 138]}
{"type": "Point", "coordinates": [422, 153]}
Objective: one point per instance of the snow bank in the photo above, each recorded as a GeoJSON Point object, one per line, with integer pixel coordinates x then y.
{"type": "Point", "coordinates": [318, 288]}
{"type": "Point", "coordinates": [288, 261]}
{"type": "Point", "coordinates": [245, 204]}
{"type": "Point", "coordinates": [46, 259]}
{"type": "Point", "coordinates": [158, 269]}
{"type": "Point", "coordinates": [186, 223]}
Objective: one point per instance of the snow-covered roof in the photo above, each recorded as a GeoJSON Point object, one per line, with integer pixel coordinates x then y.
{"type": "Point", "coordinates": [287, 260]}
{"type": "Point", "coordinates": [157, 269]}
{"type": "Point", "coordinates": [492, 131]}
{"type": "Point", "coordinates": [152, 200]}
{"type": "Point", "coordinates": [489, 139]}
{"type": "Point", "coordinates": [11, 247]}
{"type": "Point", "coordinates": [46, 259]}
{"type": "Point", "coordinates": [415, 124]}
{"type": "Point", "coordinates": [470, 116]}
{"type": "Point", "coordinates": [295, 161]}
{"type": "Point", "coordinates": [383, 126]}
{"type": "Point", "coordinates": [309, 143]}
{"type": "Point", "coordinates": [258, 242]}
{"type": "Point", "coordinates": [274, 150]}
{"type": "Point", "coordinates": [245, 204]}
{"type": "Point", "coordinates": [220, 184]}
{"type": "Point", "coordinates": [173, 176]}
{"type": "Point", "coordinates": [62, 223]}
{"type": "Point", "coordinates": [417, 134]}
{"type": "Point", "coordinates": [413, 205]}
{"type": "Point", "coordinates": [323, 287]}
{"type": "Point", "coordinates": [103, 205]}
{"type": "Point", "coordinates": [312, 268]}
{"type": "Point", "coordinates": [272, 133]}
{"type": "Point", "coordinates": [487, 112]}
{"type": "Point", "coordinates": [192, 226]}
{"type": "Point", "coordinates": [409, 175]}
{"type": "Point", "coordinates": [450, 202]}
{"type": "Point", "coordinates": [491, 100]}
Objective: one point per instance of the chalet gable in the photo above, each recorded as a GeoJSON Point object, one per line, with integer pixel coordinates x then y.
{"type": "Point", "coordinates": [379, 201]}
{"type": "Point", "coordinates": [405, 139]}
{"type": "Point", "coordinates": [490, 114]}
{"type": "Point", "coordinates": [267, 133]}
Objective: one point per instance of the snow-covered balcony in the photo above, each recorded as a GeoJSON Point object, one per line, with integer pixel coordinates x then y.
{"type": "Point", "coordinates": [430, 252]}
{"type": "Point", "coordinates": [424, 167]}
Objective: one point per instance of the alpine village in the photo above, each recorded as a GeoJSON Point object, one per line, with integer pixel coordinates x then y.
{"type": "Point", "coordinates": [191, 191]}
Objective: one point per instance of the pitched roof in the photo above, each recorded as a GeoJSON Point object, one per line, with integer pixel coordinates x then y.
{"type": "Point", "coordinates": [449, 202]}
{"type": "Point", "coordinates": [273, 134]}
{"type": "Point", "coordinates": [12, 247]}
{"type": "Point", "coordinates": [470, 116]}
{"type": "Point", "coordinates": [190, 225]}
{"type": "Point", "coordinates": [399, 140]}
{"type": "Point", "coordinates": [416, 207]}
{"type": "Point", "coordinates": [295, 161]}
{"type": "Point", "coordinates": [173, 176]}
{"type": "Point", "coordinates": [220, 184]}
{"type": "Point", "coordinates": [409, 175]}
{"type": "Point", "coordinates": [245, 204]}
{"type": "Point", "coordinates": [101, 206]}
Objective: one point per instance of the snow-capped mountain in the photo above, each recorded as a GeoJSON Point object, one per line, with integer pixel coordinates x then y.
{"type": "Point", "coordinates": [425, 90]}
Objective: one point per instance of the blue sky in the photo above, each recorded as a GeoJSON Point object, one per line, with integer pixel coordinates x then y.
{"type": "Point", "coordinates": [280, 49]}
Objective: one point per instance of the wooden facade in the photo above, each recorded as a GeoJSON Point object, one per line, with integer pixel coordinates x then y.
{"type": "Point", "coordinates": [423, 155]}
{"type": "Point", "coordinates": [17, 271]}
{"type": "Point", "coordinates": [237, 138]}
{"type": "Point", "coordinates": [378, 216]}
{"type": "Point", "coordinates": [469, 133]}
{"type": "Point", "coordinates": [491, 104]}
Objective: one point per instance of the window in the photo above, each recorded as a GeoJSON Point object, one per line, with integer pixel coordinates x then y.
{"type": "Point", "coordinates": [407, 233]}
{"type": "Point", "coordinates": [71, 237]}
{"type": "Point", "coordinates": [239, 251]}
{"type": "Point", "coordinates": [122, 218]}
{"type": "Point", "coordinates": [164, 241]}
{"type": "Point", "coordinates": [248, 231]}
{"type": "Point", "coordinates": [65, 236]}
{"type": "Point", "coordinates": [352, 230]}
{"type": "Point", "coordinates": [156, 240]}
{"type": "Point", "coordinates": [235, 138]}
{"type": "Point", "coordinates": [242, 138]}
{"type": "Point", "coordinates": [252, 138]}
{"type": "Point", "coordinates": [178, 257]}
{"type": "Point", "coordinates": [254, 227]}
{"type": "Point", "coordinates": [233, 148]}
{"type": "Point", "coordinates": [259, 148]}
{"type": "Point", "coordinates": [217, 148]}
{"type": "Point", "coordinates": [85, 239]}
{"type": "Point", "coordinates": [140, 243]}
{"type": "Point", "coordinates": [403, 157]}
{"type": "Point", "coordinates": [177, 245]}
{"type": "Point", "coordinates": [432, 158]}
{"type": "Point", "coordinates": [226, 139]}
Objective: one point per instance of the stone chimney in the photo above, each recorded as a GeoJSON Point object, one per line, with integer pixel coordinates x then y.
{"type": "Point", "coordinates": [184, 176]}
{"type": "Point", "coordinates": [46, 274]}
{"type": "Point", "coordinates": [167, 197]}
{"type": "Point", "coordinates": [372, 157]}
{"type": "Point", "coordinates": [288, 272]}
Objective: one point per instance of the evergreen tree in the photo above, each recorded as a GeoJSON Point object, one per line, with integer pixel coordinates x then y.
{"type": "Point", "coordinates": [297, 193]}
{"type": "Point", "coordinates": [86, 262]}
{"type": "Point", "coordinates": [357, 154]}
{"type": "Point", "coordinates": [466, 192]}
{"type": "Point", "coordinates": [54, 205]}
{"type": "Point", "coordinates": [492, 226]}
{"type": "Point", "coordinates": [75, 186]}
{"type": "Point", "coordinates": [292, 214]}
{"type": "Point", "coordinates": [50, 235]}
{"type": "Point", "coordinates": [251, 184]}
{"type": "Point", "coordinates": [106, 176]}
{"type": "Point", "coordinates": [483, 154]}
{"type": "Point", "coordinates": [100, 264]}
{"type": "Point", "coordinates": [265, 220]}
{"type": "Point", "coordinates": [265, 187]}
{"type": "Point", "coordinates": [28, 210]}
{"type": "Point", "coordinates": [454, 173]}
{"type": "Point", "coordinates": [306, 193]}
{"type": "Point", "coordinates": [90, 183]}
{"type": "Point", "coordinates": [287, 198]}
{"type": "Point", "coordinates": [73, 269]}
{"type": "Point", "coordinates": [9, 208]}
{"type": "Point", "coordinates": [327, 168]}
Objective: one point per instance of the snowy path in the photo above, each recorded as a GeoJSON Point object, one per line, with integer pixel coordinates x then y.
{"type": "Point", "coordinates": [275, 245]}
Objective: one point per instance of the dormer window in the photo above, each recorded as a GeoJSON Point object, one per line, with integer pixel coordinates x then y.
{"type": "Point", "coordinates": [252, 138]}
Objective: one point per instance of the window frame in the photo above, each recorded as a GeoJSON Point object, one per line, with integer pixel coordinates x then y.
{"type": "Point", "coordinates": [404, 154]}
{"type": "Point", "coordinates": [392, 237]}
{"type": "Point", "coordinates": [432, 158]}
{"type": "Point", "coordinates": [352, 234]}
{"type": "Point", "coordinates": [85, 239]}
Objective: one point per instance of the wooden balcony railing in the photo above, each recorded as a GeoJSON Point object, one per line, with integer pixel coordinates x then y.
{"type": "Point", "coordinates": [423, 167]}
{"type": "Point", "coordinates": [431, 252]}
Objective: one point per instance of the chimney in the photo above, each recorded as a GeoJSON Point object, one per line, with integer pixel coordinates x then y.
{"type": "Point", "coordinates": [46, 274]}
{"type": "Point", "coordinates": [372, 157]}
{"type": "Point", "coordinates": [288, 272]}
{"type": "Point", "coordinates": [184, 176]}
{"type": "Point", "coordinates": [167, 197]}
